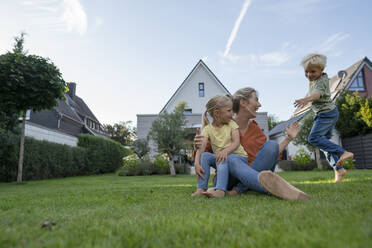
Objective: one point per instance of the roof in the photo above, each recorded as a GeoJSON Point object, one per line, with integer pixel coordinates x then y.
{"type": "Point", "coordinates": [200, 63]}
{"type": "Point", "coordinates": [336, 84]}
{"type": "Point", "coordinates": [281, 126]}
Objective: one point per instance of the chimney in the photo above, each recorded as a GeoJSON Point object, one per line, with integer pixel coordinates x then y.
{"type": "Point", "coordinates": [72, 90]}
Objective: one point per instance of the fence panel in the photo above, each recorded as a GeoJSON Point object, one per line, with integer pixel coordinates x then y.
{"type": "Point", "coordinates": [361, 146]}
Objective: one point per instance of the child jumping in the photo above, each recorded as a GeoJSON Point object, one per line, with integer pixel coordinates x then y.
{"type": "Point", "coordinates": [223, 134]}
{"type": "Point", "coordinates": [326, 113]}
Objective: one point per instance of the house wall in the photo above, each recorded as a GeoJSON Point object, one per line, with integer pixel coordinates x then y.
{"type": "Point", "coordinates": [42, 133]}
{"type": "Point", "coordinates": [368, 81]}
{"type": "Point", "coordinates": [189, 91]}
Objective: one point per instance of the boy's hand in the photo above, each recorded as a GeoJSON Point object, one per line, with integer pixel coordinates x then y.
{"type": "Point", "coordinates": [301, 102]}
{"type": "Point", "coordinates": [199, 170]}
{"type": "Point", "coordinates": [221, 157]}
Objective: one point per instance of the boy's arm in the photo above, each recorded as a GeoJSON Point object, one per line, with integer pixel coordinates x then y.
{"type": "Point", "coordinates": [235, 142]}
{"type": "Point", "coordinates": [303, 101]}
{"type": "Point", "coordinates": [198, 169]}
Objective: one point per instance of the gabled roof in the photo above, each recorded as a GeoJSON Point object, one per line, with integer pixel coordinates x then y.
{"type": "Point", "coordinates": [336, 84]}
{"type": "Point", "coordinates": [200, 63]}
{"type": "Point", "coordinates": [279, 128]}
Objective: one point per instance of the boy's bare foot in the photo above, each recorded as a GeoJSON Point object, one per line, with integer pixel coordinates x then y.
{"type": "Point", "coordinates": [198, 192]}
{"type": "Point", "coordinates": [215, 194]}
{"type": "Point", "coordinates": [233, 192]}
{"type": "Point", "coordinates": [345, 156]}
{"type": "Point", "coordinates": [339, 174]}
{"type": "Point", "coordinates": [279, 187]}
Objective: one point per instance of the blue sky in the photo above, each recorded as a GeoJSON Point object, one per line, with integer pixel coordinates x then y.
{"type": "Point", "coordinates": [128, 57]}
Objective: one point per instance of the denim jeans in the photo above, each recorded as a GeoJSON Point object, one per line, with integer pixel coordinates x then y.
{"type": "Point", "coordinates": [321, 132]}
{"type": "Point", "coordinates": [245, 177]}
{"type": "Point", "coordinates": [208, 160]}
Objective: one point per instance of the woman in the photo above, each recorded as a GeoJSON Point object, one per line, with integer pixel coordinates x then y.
{"type": "Point", "coordinates": [255, 173]}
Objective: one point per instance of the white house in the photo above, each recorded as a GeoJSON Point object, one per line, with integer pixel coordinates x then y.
{"type": "Point", "coordinates": [199, 86]}
{"type": "Point", "coordinates": [357, 77]}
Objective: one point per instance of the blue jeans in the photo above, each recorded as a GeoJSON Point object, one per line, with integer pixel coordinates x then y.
{"type": "Point", "coordinates": [208, 160]}
{"type": "Point", "coordinates": [244, 177]}
{"type": "Point", "coordinates": [322, 131]}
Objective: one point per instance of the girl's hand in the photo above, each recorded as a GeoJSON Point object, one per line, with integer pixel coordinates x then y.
{"type": "Point", "coordinates": [199, 170]}
{"type": "Point", "coordinates": [221, 157]}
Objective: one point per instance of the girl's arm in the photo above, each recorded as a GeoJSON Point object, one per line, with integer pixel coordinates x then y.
{"type": "Point", "coordinates": [198, 169]}
{"type": "Point", "coordinates": [235, 142]}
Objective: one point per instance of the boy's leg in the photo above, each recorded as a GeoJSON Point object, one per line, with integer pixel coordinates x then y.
{"type": "Point", "coordinates": [207, 160]}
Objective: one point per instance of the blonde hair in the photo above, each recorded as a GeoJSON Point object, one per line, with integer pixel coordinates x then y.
{"type": "Point", "coordinates": [215, 103]}
{"type": "Point", "coordinates": [314, 59]}
{"type": "Point", "coordinates": [242, 94]}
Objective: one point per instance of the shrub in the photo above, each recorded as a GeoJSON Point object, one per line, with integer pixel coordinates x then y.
{"type": "Point", "coordinates": [161, 165]}
{"type": "Point", "coordinates": [349, 164]}
{"type": "Point", "coordinates": [130, 161]}
{"type": "Point", "coordinates": [290, 165]}
{"type": "Point", "coordinates": [103, 155]}
{"type": "Point", "coordinates": [302, 157]}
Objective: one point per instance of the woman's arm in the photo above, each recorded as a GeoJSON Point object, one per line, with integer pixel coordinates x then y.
{"type": "Point", "coordinates": [235, 142]}
{"type": "Point", "coordinates": [292, 130]}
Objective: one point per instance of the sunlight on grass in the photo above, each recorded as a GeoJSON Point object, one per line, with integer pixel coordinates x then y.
{"type": "Point", "coordinates": [331, 180]}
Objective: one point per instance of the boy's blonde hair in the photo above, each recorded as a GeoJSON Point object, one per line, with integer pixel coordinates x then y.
{"type": "Point", "coordinates": [215, 103]}
{"type": "Point", "coordinates": [314, 59]}
{"type": "Point", "coordinates": [242, 94]}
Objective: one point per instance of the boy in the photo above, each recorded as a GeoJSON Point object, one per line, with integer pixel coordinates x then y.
{"type": "Point", "coordinates": [326, 113]}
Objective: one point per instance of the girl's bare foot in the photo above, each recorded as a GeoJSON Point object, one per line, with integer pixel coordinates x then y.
{"type": "Point", "coordinates": [198, 192]}
{"type": "Point", "coordinates": [339, 174]}
{"type": "Point", "coordinates": [233, 192]}
{"type": "Point", "coordinates": [346, 155]}
{"type": "Point", "coordinates": [215, 194]}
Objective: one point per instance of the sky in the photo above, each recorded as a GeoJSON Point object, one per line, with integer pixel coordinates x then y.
{"type": "Point", "coordinates": [128, 57]}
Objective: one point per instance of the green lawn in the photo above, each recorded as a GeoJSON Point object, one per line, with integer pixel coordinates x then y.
{"type": "Point", "coordinates": [157, 211]}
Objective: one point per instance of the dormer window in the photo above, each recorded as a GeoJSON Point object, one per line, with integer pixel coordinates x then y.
{"type": "Point", "coordinates": [201, 90]}
{"type": "Point", "coordinates": [358, 83]}
{"type": "Point", "coordinates": [188, 111]}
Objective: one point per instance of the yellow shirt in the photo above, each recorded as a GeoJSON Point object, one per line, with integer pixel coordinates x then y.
{"type": "Point", "coordinates": [220, 137]}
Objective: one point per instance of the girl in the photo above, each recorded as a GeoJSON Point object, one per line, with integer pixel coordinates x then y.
{"type": "Point", "coordinates": [223, 135]}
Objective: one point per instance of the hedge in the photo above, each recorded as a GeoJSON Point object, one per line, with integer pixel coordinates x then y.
{"type": "Point", "coordinates": [43, 159]}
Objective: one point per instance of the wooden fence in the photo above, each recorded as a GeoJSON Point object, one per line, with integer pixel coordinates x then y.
{"type": "Point", "coordinates": [361, 146]}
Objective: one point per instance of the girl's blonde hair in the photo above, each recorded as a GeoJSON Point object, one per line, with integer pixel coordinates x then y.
{"type": "Point", "coordinates": [215, 103]}
{"type": "Point", "coordinates": [242, 94]}
{"type": "Point", "coordinates": [314, 59]}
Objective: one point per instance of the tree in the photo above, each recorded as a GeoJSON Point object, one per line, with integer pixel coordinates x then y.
{"type": "Point", "coordinates": [302, 137]}
{"type": "Point", "coordinates": [28, 82]}
{"type": "Point", "coordinates": [272, 121]}
{"type": "Point", "coordinates": [169, 134]}
{"type": "Point", "coordinates": [121, 132]}
{"type": "Point", "coordinates": [141, 147]}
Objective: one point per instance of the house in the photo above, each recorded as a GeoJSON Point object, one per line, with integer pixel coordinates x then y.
{"type": "Point", "coordinates": [357, 77]}
{"type": "Point", "coordinates": [65, 121]}
{"type": "Point", "coordinates": [198, 87]}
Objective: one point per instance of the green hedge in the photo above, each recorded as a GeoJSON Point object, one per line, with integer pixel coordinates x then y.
{"type": "Point", "coordinates": [44, 159]}
{"type": "Point", "coordinates": [148, 168]}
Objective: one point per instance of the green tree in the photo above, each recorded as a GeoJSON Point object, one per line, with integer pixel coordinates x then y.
{"type": "Point", "coordinates": [141, 147]}
{"type": "Point", "coordinates": [169, 134]}
{"type": "Point", "coordinates": [121, 132]}
{"type": "Point", "coordinates": [272, 121]}
{"type": "Point", "coordinates": [28, 82]}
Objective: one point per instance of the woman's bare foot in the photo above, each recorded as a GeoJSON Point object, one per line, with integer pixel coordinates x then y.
{"type": "Point", "coordinates": [346, 155]}
{"type": "Point", "coordinates": [233, 192]}
{"type": "Point", "coordinates": [198, 192]}
{"type": "Point", "coordinates": [215, 194]}
{"type": "Point", "coordinates": [339, 174]}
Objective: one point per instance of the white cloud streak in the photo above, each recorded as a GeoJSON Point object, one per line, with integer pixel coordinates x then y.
{"type": "Point", "coordinates": [235, 30]}
{"type": "Point", "coordinates": [74, 16]}
{"type": "Point", "coordinates": [332, 41]}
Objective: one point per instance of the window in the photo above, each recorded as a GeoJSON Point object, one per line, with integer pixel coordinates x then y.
{"type": "Point", "coordinates": [201, 90]}
{"type": "Point", "coordinates": [188, 111]}
{"type": "Point", "coordinates": [358, 83]}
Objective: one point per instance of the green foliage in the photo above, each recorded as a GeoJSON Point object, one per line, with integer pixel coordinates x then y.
{"type": "Point", "coordinates": [121, 132]}
{"type": "Point", "coordinates": [42, 159]}
{"type": "Point", "coordinates": [272, 121]}
{"type": "Point", "coordinates": [349, 164]}
{"type": "Point", "coordinates": [168, 131]}
{"type": "Point", "coordinates": [355, 115]}
{"type": "Point", "coordinates": [9, 120]}
{"type": "Point", "coordinates": [130, 161]}
{"type": "Point", "coordinates": [306, 126]}
{"type": "Point", "coordinates": [141, 147]}
{"type": "Point", "coordinates": [290, 165]}
{"type": "Point", "coordinates": [161, 160]}
{"type": "Point", "coordinates": [302, 157]}
{"type": "Point", "coordinates": [104, 155]}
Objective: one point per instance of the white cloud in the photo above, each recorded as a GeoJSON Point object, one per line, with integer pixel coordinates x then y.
{"type": "Point", "coordinates": [332, 41]}
{"type": "Point", "coordinates": [273, 59]}
{"type": "Point", "coordinates": [235, 30]}
{"type": "Point", "coordinates": [74, 16]}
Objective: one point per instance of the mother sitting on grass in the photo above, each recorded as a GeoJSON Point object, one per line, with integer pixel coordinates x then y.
{"type": "Point", "coordinates": [256, 171]}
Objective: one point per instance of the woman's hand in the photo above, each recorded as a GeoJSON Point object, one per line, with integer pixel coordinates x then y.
{"type": "Point", "coordinates": [292, 130]}
{"type": "Point", "coordinates": [198, 140]}
{"type": "Point", "coordinates": [221, 157]}
{"type": "Point", "coordinates": [199, 170]}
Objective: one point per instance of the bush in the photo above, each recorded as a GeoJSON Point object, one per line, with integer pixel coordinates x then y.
{"type": "Point", "coordinates": [290, 165]}
{"type": "Point", "coordinates": [42, 159]}
{"type": "Point", "coordinates": [302, 157]}
{"type": "Point", "coordinates": [349, 164]}
{"type": "Point", "coordinates": [103, 155]}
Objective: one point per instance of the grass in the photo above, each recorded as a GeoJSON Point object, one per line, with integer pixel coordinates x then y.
{"type": "Point", "coordinates": [157, 211]}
